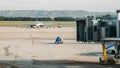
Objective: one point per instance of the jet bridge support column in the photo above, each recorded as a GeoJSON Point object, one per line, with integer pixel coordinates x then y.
{"type": "Point", "coordinates": [104, 53]}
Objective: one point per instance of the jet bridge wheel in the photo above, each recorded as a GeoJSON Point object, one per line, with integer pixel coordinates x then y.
{"type": "Point", "coordinates": [110, 61]}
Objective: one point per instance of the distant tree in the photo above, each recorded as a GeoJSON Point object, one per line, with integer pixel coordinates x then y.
{"type": "Point", "coordinates": [1, 18]}
{"type": "Point", "coordinates": [64, 19]}
{"type": "Point", "coordinates": [106, 17]}
{"type": "Point", "coordinates": [45, 19]}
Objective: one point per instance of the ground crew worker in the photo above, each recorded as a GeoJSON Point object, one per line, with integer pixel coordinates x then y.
{"type": "Point", "coordinates": [58, 40]}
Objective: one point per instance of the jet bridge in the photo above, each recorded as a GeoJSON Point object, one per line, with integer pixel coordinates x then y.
{"type": "Point", "coordinates": [90, 29]}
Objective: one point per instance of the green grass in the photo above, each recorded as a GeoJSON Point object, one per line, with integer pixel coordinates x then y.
{"type": "Point", "coordinates": [51, 23]}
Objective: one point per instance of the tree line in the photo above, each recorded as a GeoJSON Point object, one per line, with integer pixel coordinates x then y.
{"type": "Point", "coordinates": [2, 18]}
{"type": "Point", "coordinates": [107, 16]}
{"type": "Point", "coordinates": [24, 19]}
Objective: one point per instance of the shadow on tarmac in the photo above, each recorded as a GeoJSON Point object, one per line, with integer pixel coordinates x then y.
{"type": "Point", "coordinates": [91, 54]}
{"type": "Point", "coordinates": [52, 64]}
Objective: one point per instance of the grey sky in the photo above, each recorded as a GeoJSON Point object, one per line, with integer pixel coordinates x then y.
{"type": "Point", "coordinates": [90, 5]}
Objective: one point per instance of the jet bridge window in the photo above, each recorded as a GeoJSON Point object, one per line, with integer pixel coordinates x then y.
{"type": "Point", "coordinates": [95, 28]}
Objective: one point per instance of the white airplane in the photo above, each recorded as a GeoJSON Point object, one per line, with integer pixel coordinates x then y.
{"type": "Point", "coordinates": [37, 24]}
